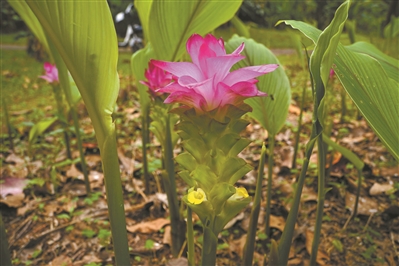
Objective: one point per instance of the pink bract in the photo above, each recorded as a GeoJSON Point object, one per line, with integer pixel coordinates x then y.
{"type": "Point", "coordinates": [51, 73]}
{"type": "Point", "coordinates": [207, 83]}
{"type": "Point", "coordinates": [156, 79]}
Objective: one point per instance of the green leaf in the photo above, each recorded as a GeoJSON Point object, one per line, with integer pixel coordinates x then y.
{"type": "Point", "coordinates": [390, 65]}
{"type": "Point", "coordinates": [39, 128]}
{"type": "Point", "coordinates": [369, 86]}
{"type": "Point", "coordinates": [143, 8]}
{"type": "Point", "coordinates": [269, 112]}
{"type": "Point", "coordinates": [173, 22]}
{"type": "Point", "coordinates": [90, 55]}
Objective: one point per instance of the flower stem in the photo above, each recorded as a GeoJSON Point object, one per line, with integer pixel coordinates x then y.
{"type": "Point", "coordinates": [320, 198]}
{"type": "Point", "coordinates": [269, 184]}
{"type": "Point", "coordinates": [298, 132]}
{"type": "Point", "coordinates": [286, 237]}
{"type": "Point", "coordinates": [250, 242]}
{"type": "Point", "coordinates": [190, 238]}
{"type": "Point", "coordinates": [113, 186]}
{"type": "Point", "coordinates": [170, 187]}
{"type": "Point", "coordinates": [145, 140]}
{"type": "Point", "coordinates": [209, 247]}
{"type": "Point", "coordinates": [9, 127]}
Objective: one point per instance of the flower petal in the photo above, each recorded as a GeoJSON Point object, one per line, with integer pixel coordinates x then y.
{"type": "Point", "coordinates": [247, 73]}
{"type": "Point", "coordinates": [180, 69]}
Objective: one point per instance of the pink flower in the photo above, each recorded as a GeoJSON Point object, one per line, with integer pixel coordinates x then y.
{"type": "Point", "coordinates": [51, 73]}
{"type": "Point", "coordinates": [156, 79]}
{"type": "Point", "coordinates": [207, 83]}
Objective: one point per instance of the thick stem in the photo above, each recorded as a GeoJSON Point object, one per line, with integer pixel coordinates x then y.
{"type": "Point", "coordinates": [5, 258]}
{"type": "Point", "coordinates": [113, 186]}
{"type": "Point", "coordinates": [253, 222]}
{"type": "Point", "coordinates": [320, 198]}
{"type": "Point", "coordinates": [176, 221]}
{"type": "Point", "coordinates": [269, 184]}
{"type": "Point", "coordinates": [209, 247]}
{"type": "Point", "coordinates": [286, 237]}
{"type": "Point", "coordinates": [190, 238]}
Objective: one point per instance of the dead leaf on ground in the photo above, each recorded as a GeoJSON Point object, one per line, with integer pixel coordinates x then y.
{"type": "Point", "coordinates": [128, 163]}
{"type": "Point", "coordinates": [294, 109]}
{"type": "Point", "coordinates": [148, 227]}
{"type": "Point", "coordinates": [61, 260]}
{"type": "Point", "coordinates": [167, 236]}
{"type": "Point", "coordinates": [74, 172]}
{"type": "Point", "coordinates": [378, 189]}
{"type": "Point", "coordinates": [237, 245]}
{"type": "Point", "coordinates": [277, 222]}
{"type": "Point", "coordinates": [14, 201]}
{"type": "Point", "coordinates": [367, 206]}
{"type": "Point", "coordinates": [322, 257]}
{"type": "Point", "coordinates": [182, 261]}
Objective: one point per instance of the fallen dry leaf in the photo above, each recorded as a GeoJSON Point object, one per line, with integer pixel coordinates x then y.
{"type": "Point", "coordinates": [367, 206]}
{"type": "Point", "coordinates": [378, 189]}
{"type": "Point", "coordinates": [14, 201]}
{"type": "Point", "coordinates": [294, 109]}
{"type": "Point", "coordinates": [322, 257]}
{"type": "Point", "coordinates": [148, 227]}
{"type": "Point", "coordinates": [167, 236]}
{"type": "Point", "coordinates": [277, 222]}
{"type": "Point", "coordinates": [74, 172]}
{"type": "Point", "coordinates": [128, 163]}
{"type": "Point", "coordinates": [61, 260]}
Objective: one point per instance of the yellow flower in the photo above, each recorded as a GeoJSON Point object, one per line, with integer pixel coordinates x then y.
{"type": "Point", "coordinates": [241, 193]}
{"type": "Point", "coordinates": [196, 196]}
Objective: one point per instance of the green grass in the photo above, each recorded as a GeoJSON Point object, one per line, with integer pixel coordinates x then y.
{"type": "Point", "coordinates": [11, 39]}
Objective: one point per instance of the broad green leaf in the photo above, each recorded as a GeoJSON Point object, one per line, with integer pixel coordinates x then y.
{"type": "Point", "coordinates": [390, 65]}
{"type": "Point", "coordinates": [324, 52]}
{"type": "Point", "coordinates": [139, 63]}
{"type": "Point", "coordinates": [143, 8]}
{"type": "Point", "coordinates": [39, 128]}
{"type": "Point", "coordinates": [353, 158]}
{"type": "Point", "coordinates": [83, 32]}
{"type": "Point", "coordinates": [392, 29]}
{"type": "Point", "coordinates": [90, 55]}
{"type": "Point", "coordinates": [173, 22]}
{"type": "Point", "coordinates": [270, 111]}
{"type": "Point", "coordinates": [369, 86]}
{"type": "Point", "coordinates": [22, 8]}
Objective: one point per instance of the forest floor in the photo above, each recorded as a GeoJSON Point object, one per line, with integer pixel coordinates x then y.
{"type": "Point", "coordinates": [51, 220]}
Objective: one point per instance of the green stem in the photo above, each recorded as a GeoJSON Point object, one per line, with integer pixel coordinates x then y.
{"type": "Point", "coordinates": [190, 238]}
{"type": "Point", "coordinates": [269, 184]}
{"type": "Point", "coordinates": [9, 128]}
{"type": "Point", "coordinates": [80, 147]}
{"type": "Point", "coordinates": [5, 258]}
{"type": "Point", "coordinates": [209, 247]}
{"type": "Point", "coordinates": [320, 198]}
{"type": "Point", "coordinates": [176, 222]}
{"type": "Point", "coordinates": [253, 222]}
{"type": "Point", "coordinates": [113, 186]}
{"type": "Point", "coordinates": [298, 132]}
{"type": "Point", "coordinates": [286, 237]}
{"type": "Point", "coordinates": [343, 105]}
{"type": "Point", "coordinates": [145, 141]}
{"type": "Point", "coordinates": [60, 110]}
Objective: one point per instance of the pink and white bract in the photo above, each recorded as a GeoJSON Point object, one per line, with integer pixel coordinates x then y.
{"type": "Point", "coordinates": [157, 78]}
{"type": "Point", "coordinates": [51, 73]}
{"type": "Point", "coordinates": [207, 83]}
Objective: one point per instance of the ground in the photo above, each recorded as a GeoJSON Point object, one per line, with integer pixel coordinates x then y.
{"type": "Point", "coordinates": [53, 221]}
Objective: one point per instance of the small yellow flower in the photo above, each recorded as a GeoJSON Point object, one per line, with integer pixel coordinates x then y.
{"type": "Point", "coordinates": [196, 196]}
{"type": "Point", "coordinates": [241, 193]}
